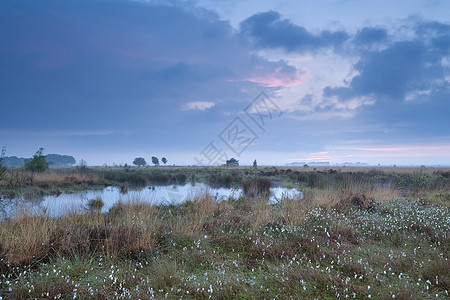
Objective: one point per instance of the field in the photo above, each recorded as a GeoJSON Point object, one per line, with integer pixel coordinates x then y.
{"type": "Point", "coordinates": [357, 233]}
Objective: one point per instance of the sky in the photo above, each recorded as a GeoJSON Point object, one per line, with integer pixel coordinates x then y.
{"type": "Point", "coordinates": [199, 82]}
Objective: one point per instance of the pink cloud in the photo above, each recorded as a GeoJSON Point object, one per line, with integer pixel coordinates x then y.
{"type": "Point", "coordinates": [407, 148]}
{"type": "Point", "coordinates": [303, 58]}
{"type": "Point", "coordinates": [278, 78]}
{"type": "Point", "coordinates": [319, 153]}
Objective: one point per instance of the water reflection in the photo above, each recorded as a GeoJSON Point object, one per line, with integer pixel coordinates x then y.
{"type": "Point", "coordinates": [55, 206]}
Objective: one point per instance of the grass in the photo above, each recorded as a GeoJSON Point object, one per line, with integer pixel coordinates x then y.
{"type": "Point", "coordinates": [363, 235]}
{"type": "Point", "coordinates": [96, 204]}
{"type": "Point", "coordinates": [416, 182]}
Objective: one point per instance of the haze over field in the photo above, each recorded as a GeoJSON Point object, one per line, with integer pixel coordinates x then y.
{"type": "Point", "coordinates": [343, 81]}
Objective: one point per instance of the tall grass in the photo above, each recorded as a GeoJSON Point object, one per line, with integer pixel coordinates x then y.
{"type": "Point", "coordinates": [352, 238]}
{"type": "Point", "coordinates": [237, 248]}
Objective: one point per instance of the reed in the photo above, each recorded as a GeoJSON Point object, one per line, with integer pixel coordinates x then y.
{"type": "Point", "coordinates": [351, 236]}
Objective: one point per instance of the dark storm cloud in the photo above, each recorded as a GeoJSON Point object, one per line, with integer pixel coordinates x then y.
{"type": "Point", "coordinates": [269, 30]}
{"type": "Point", "coordinates": [116, 64]}
{"type": "Point", "coordinates": [391, 72]}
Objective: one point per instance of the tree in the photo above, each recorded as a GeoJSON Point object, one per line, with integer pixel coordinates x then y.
{"type": "Point", "coordinates": [139, 161]}
{"type": "Point", "coordinates": [60, 160]}
{"type": "Point", "coordinates": [37, 163]}
{"type": "Point", "coordinates": [155, 161]}
{"type": "Point", "coordinates": [13, 161]}
{"type": "Point", "coordinates": [232, 162]}
{"type": "Point", "coordinates": [2, 168]}
{"type": "Point", "coordinates": [255, 164]}
{"type": "Point", "coordinates": [82, 166]}
{"type": "Point", "coordinates": [164, 160]}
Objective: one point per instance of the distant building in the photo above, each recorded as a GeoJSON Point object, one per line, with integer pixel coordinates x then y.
{"type": "Point", "coordinates": [232, 162]}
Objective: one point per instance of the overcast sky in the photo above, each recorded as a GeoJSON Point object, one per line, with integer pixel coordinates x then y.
{"type": "Point", "coordinates": [200, 81]}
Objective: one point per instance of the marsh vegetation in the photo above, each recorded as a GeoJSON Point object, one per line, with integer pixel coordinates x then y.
{"type": "Point", "coordinates": [356, 233]}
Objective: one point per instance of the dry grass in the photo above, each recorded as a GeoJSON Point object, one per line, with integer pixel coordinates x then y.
{"type": "Point", "coordinates": [61, 178]}
{"type": "Point", "coordinates": [388, 170]}
{"type": "Point", "coordinates": [25, 239]}
{"type": "Point", "coordinates": [261, 214]}
{"type": "Point", "coordinates": [54, 177]}
{"type": "Point", "coordinates": [360, 193]}
{"type": "Point", "coordinates": [334, 243]}
{"type": "Point", "coordinates": [241, 248]}
{"type": "Point", "coordinates": [128, 230]}
{"type": "Point", "coordinates": [293, 211]}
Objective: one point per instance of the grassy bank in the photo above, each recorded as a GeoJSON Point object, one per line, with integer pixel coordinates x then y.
{"type": "Point", "coordinates": [365, 233]}
{"type": "Point", "coordinates": [416, 182]}
{"type": "Point", "coordinates": [353, 235]}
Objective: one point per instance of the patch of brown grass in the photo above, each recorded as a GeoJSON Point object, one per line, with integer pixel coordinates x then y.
{"type": "Point", "coordinates": [66, 179]}
{"type": "Point", "coordinates": [359, 193]}
{"type": "Point", "coordinates": [292, 212]}
{"type": "Point", "coordinates": [30, 239]}
{"type": "Point", "coordinates": [26, 239]}
{"type": "Point", "coordinates": [437, 272]}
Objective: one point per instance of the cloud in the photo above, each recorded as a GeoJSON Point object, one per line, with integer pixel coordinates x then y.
{"type": "Point", "coordinates": [199, 105]}
{"type": "Point", "coordinates": [370, 35]}
{"type": "Point", "coordinates": [403, 70]}
{"type": "Point", "coordinates": [100, 61]}
{"type": "Point", "coordinates": [408, 148]}
{"type": "Point", "coordinates": [283, 76]}
{"type": "Point", "coordinates": [268, 30]}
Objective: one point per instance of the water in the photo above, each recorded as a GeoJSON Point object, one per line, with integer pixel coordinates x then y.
{"type": "Point", "coordinates": [56, 206]}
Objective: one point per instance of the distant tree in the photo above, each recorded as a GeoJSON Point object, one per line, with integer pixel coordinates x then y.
{"type": "Point", "coordinates": [37, 163]}
{"type": "Point", "coordinates": [255, 164]}
{"type": "Point", "coordinates": [2, 168]}
{"type": "Point", "coordinates": [13, 161]}
{"type": "Point", "coordinates": [164, 160]}
{"type": "Point", "coordinates": [60, 160]}
{"type": "Point", "coordinates": [305, 166]}
{"type": "Point", "coordinates": [232, 162]}
{"type": "Point", "coordinates": [139, 161]}
{"type": "Point", "coordinates": [82, 166]}
{"type": "Point", "coordinates": [155, 161]}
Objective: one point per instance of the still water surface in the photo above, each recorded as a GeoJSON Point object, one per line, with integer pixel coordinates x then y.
{"type": "Point", "coordinates": [56, 206]}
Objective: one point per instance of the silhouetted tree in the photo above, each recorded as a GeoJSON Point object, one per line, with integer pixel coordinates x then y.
{"type": "Point", "coordinates": [255, 164]}
{"type": "Point", "coordinates": [155, 161]}
{"type": "Point", "coordinates": [164, 160]}
{"type": "Point", "coordinates": [139, 161]}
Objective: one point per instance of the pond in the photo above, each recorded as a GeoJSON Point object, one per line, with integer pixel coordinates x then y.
{"type": "Point", "coordinates": [56, 206]}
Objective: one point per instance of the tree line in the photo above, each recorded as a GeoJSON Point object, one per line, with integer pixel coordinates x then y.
{"type": "Point", "coordinates": [140, 161]}
{"type": "Point", "coordinates": [51, 159]}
